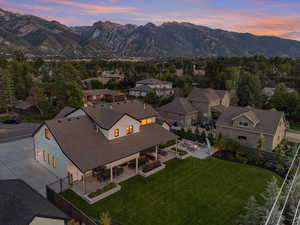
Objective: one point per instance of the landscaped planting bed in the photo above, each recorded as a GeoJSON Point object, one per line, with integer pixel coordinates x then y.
{"type": "Point", "coordinates": [180, 152]}
{"type": "Point", "coordinates": [193, 192]}
{"type": "Point", "coordinates": [102, 190]}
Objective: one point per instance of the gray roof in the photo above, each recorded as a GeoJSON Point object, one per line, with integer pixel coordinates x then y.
{"type": "Point", "coordinates": [268, 120]}
{"type": "Point", "coordinates": [104, 117]}
{"type": "Point", "coordinates": [143, 88]}
{"type": "Point", "coordinates": [101, 92]}
{"type": "Point", "coordinates": [206, 95]}
{"type": "Point", "coordinates": [134, 108]}
{"type": "Point", "coordinates": [152, 82]}
{"type": "Point", "coordinates": [65, 111]}
{"type": "Point", "coordinates": [19, 204]}
{"type": "Point", "coordinates": [23, 105]}
{"type": "Point", "coordinates": [77, 136]}
{"type": "Point", "coordinates": [178, 106]}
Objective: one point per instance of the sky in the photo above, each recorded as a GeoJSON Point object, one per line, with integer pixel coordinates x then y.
{"type": "Point", "coordinates": [260, 17]}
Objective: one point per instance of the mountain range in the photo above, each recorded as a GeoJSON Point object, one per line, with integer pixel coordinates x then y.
{"type": "Point", "coordinates": [38, 36]}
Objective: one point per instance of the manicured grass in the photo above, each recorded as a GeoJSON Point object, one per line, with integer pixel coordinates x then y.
{"type": "Point", "coordinates": [191, 191]}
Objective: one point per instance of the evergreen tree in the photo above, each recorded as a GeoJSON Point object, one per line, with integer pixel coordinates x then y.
{"type": "Point", "coordinates": [7, 94]}
{"type": "Point", "coordinates": [260, 149]}
{"type": "Point", "coordinates": [251, 211]}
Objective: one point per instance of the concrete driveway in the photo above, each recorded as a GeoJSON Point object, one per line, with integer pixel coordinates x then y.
{"type": "Point", "coordinates": [13, 132]}
{"type": "Point", "coordinates": [17, 162]}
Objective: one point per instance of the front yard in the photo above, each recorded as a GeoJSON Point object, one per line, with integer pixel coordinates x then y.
{"type": "Point", "coordinates": [192, 192]}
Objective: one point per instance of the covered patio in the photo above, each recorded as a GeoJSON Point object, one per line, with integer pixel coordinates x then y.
{"type": "Point", "coordinates": [120, 170]}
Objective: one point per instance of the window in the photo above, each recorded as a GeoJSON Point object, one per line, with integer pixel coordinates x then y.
{"type": "Point", "coordinates": [48, 158]}
{"type": "Point", "coordinates": [47, 134]}
{"type": "Point", "coordinates": [54, 163]}
{"type": "Point", "coordinates": [242, 138]}
{"type": "Point", "coordinates": [129, 130]}
{"type": "Point", "coordinates": [244, 124]}
{"type": "Point", "coordinates": [44, 156]}
{"type": "Point", "coordinates": [117, 132]}
{"type": "Point", "coordinates": [147, 121]}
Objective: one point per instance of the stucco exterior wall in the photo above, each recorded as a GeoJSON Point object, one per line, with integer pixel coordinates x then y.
{"type": "Point", "coordinates": [226, 100]}
{"type": "Point", "coordinates": [252, 138]}
{"type": "Point", "coordinates": [280, 133]}
{"type": "Point", "coordinates": [41, 144]}
{"type": "Point", "coordinates": [122, 124]}
{"type": "Point", "coordinates": [78, 112]}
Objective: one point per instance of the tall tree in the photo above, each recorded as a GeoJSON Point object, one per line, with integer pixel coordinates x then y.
{"type": "Point", "coordinates": [260, 148]}
{"type": "Point", "coordinates": [7, 94]}
{"type": "Point", "coordinates": [74, 94]}
{"type": "Point", "coordinates": [36, 97]}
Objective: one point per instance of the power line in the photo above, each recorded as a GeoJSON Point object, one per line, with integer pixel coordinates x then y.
{"type": "Point", "coordinates": [281, 188]}
{"type": "Point", "coordinates": [288, 195]}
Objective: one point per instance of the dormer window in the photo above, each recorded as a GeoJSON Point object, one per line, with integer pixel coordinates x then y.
{"type": "Point", "coordinates": [244, 124]}
{"type": "Point", "coordinates": [129, 130]}
{"type": "Point", "coordinates": [47, 134]}
{"type": "Point", "coordinates": [117, 132]}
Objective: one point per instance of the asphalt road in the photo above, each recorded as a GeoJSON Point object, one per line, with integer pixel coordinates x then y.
{"type": "Point", "coordinates": [15, 132]}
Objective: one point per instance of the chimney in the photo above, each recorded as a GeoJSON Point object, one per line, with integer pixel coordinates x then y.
{"type": "Point", "coordinates": [111, 106]}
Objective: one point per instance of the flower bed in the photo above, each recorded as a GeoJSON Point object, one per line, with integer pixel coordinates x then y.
{"type": "Point", "coordinates": [151, 168]}
{"type": "Point", "coordinates": [102, 193]}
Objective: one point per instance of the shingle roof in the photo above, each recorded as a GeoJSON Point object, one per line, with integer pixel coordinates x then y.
{"type": "Point", "coordinates": [104, 117]}
{"type": "Point", "coordinates": [77, 136]}
{"type": "Point", "coordinates": [152, 81]}
{"type": "Point", "coordinates": [143, 87]}
{"type": "Point", "coordinates": [19, 204]}
{"type": "Point", "coordinates": [204, 95]}
{"type": "Point", "coordinates": [251, 115]}
{"type": "Point", "coordinates": [178, 106]}
{"type": "Point", "coordinates": [134, 108]}
{"type": "Point", "coordinates": [268, 119]}
{"type": "Point", "coordinates": [101, 92]}
{"type": "Point", "coordinates": [65, 111]}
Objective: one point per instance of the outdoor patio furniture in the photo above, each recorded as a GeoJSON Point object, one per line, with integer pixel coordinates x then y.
{"type": "Point", "coordinates": [162, 152]}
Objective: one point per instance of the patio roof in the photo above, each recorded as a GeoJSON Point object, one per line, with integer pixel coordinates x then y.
{"type": "Point", "coordinates": [88, 149]}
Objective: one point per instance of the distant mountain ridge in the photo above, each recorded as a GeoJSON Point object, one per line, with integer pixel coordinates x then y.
{"type": "Point", "coordinates": [38, 36]}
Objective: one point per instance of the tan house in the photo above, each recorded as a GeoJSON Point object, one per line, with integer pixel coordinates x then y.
{"type": "Point", "coordinates": [98, 95]}
{"type": "Point", "coordinates": [159, 87]}
{"type": "Point", "coordinates": [210, 103]}
{"type": "Point", "coordinates": [247, 124]}
{"type": "Point", "coordinates": [179, 112]}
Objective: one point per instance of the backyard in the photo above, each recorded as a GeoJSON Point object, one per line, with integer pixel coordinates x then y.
{"type": "Point", "coordinates": [191, 191]}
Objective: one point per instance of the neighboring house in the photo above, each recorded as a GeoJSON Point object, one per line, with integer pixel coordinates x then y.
{"type": "Point", "coordinates": [98, 95]}
{"type": "Point", "coordinates": [22, 205]}
{"type": "Point", "coordinates": [160, 88]}
{"type": "Point", "coordinates": [106, 76]}
{"type": "Point", "coordinates": [179, 112]}
{"type": "Point", "coordinates": [210, 103]}
{"type": "Point", "coordinates": [104, 135]}
{"type": "Point", "coordinates": [21, 105]}
{"type": "Point", "coordinates": [65, 111]}
{"type": "Point", "coordinates": [248, 124]}
{"type": "Point", "coordinates": [269, 92]}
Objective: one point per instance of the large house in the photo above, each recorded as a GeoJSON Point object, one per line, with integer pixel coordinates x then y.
{"type": "Point", "coordinates": [97, 95]}
{"type": "Point", "coordinates": [247, 124]}
{"type": "Point", "coordinates": [22, 205]}
{"type": "Point", "coordinates": [104, 135]}
{"type": "Point", "coordinates": [201, 105]}
{"type": "Point", "coordinates": [106, 76]}
{"type": "Point", "coordinates": [210, 103]}
{"type": "Point", "coordinates": [160, 88]}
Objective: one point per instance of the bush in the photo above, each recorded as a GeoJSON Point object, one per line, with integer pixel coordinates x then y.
{"type": "Point", "coordinates": [102, 190]}
{"type": "Point", "coordinates": [168, 144]}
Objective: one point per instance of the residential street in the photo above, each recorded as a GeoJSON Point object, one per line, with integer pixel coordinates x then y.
{"type": "Point", "coordinates": [13, 132]}
{"type": "Point", "coordinates": [17, 162]}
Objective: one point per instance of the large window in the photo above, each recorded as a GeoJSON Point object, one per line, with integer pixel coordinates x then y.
{"type": "Point", "coordinates": [49, 159]}
{"type": "Point", "coordinates": [117, 132]}
{"type": "Point", "coordinates": [243, 124]}
{"type": "Point", "coordinates": [129, 130]}
{"type": "Point", "coordinates": [147, 121]}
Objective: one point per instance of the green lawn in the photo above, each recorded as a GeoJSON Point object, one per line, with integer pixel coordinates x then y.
{"type": "Point", "coordinates": [188, 192]}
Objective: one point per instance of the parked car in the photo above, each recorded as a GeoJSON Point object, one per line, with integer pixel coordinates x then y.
{"type": "Point", "coordinates": [12, 121]}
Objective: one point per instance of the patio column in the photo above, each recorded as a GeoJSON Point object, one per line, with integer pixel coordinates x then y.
{"type": "Point", "coordinates": [136, 165]}
{"type": "Point", "coordinates": [111, 174]}
{"type": "Point", "coordinates": [156, 150]}
{"type": "Point", "coordinates": [83, 183]}
{"type": "Point", "coordinates": [176, 147]}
